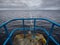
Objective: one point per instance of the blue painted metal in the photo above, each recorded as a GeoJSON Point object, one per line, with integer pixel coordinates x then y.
{"type": "Point", "coordinates": [23, 27]}
{"type": "Point", "coordinates": [7, 33]}
{"type": "Point", "coordinates": [6, 30]}
{"type": "Point", "coordinates": [49, 34]}
{"type": "Point", "coordinates": [34, 29]}
{"type": "Point", "coordinates": [31, 29]}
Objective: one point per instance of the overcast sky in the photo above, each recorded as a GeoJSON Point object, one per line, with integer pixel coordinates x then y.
{"type": "Point", "coordinates": [30, 4]}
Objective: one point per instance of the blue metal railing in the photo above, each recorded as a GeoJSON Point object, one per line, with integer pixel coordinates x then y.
{"type": "Point", "coordinates": [34, 28]}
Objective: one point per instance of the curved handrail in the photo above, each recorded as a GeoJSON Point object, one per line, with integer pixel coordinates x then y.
{"type": "Point", "coordinates": [53, 24]}
{"type": "Point", "coordinates": [30, 19]}
{"type": "Point", "coordinates": [12, 32]}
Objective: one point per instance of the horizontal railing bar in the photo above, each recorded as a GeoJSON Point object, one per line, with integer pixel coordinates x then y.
{"type": "Point", "coordinates": [31, 29]}
{"type": "Point", "coordinates": [30, 19]}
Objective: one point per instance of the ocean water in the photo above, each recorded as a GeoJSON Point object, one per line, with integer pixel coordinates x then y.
{"type": "Point", "coordinates": [54, 15]}
{"type": "Point", "coordinates": [29, 9]}
{"type": "Point", "coordinates": [6, 15]}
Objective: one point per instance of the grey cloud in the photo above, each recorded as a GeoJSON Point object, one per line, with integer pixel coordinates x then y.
{"type": "Point", "coordinates": [31, 4]}
{"type": "Point", "coordinates": [51, 3]}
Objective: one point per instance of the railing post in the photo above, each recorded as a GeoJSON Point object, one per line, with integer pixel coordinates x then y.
{"type": "Point", "coordinates": [50, 33]}
{"type": "Point", "coordinates": [7, 33]}
{"type": "Point", "coordinates": [34, 25]}
{"type": "Point", "coordinates": [52, 29]}
{"type": "Point", "coordinates": [34, 28]}
{"type": "Point", "coordinates": [6, 30]}
{"type": "Point", "coordinates": [23, 28]}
